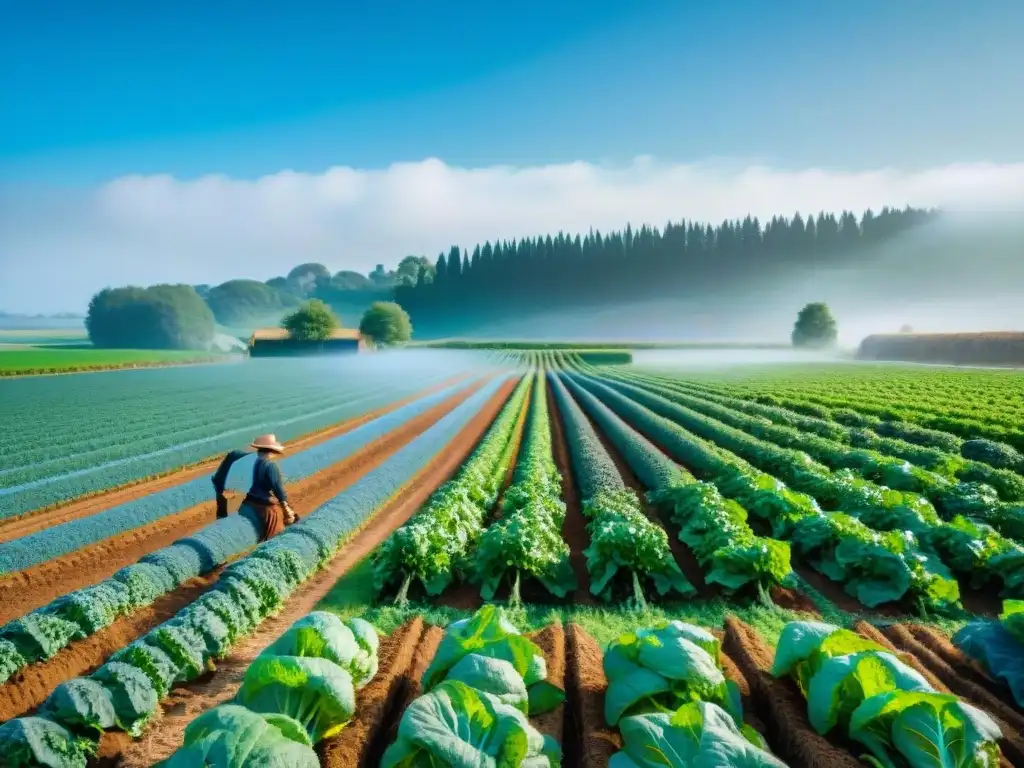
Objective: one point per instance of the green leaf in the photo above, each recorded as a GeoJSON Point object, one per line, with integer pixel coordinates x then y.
{"type": "Point", "coordinates": [544, 697]}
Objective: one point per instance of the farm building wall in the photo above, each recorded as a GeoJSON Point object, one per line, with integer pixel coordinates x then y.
{"type": "Point", "coordinates": [295, 348]}
{"type": "Point", "coordinates": [996, 348]}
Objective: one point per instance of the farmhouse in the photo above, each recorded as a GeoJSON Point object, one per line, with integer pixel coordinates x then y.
{"type": "Point", "coordinates": [277, 342]}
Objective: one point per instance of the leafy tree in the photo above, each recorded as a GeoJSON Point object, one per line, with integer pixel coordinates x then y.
{"type": "Point", "coordinates": [346, 280]}
{"type": "Point", "coordinates": [313, 321]}
{"type": "Point", "coordinates": [815, 327]}
{"type": "Point", "coordinates": [237, 301]}
{"type": "Point", "coordinates": [305, 277]}
{"type": "Point", "coordinates": [159, 317]}
{"type": "Point", "coordinates": [385, 323]}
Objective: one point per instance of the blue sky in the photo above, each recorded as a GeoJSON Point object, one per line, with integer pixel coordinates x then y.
{"type": "Point", "coordinates": [200, 141]}
{"type": "Point", "coordinates": [95, 90]}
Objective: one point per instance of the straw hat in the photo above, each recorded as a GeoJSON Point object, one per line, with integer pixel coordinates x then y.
{"type": "Point", "coordinates": [267, 443]}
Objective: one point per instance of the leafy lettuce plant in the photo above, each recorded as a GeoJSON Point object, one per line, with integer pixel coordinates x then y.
{"type": "Point", "coordinates": [33, 741]}
{"type": "Point", "coordinates": [489, 634]}
{"type": "Point", "coordinates": [699, 733]}
{"type": "Point", "coordinates": [352, 644]}
{"type": "Point", "coordinates": [230, 736]}
{"type": "Point", "coordinates": [998, 648]}
{"type": "Point", "coordinates": [458, 726]}
{"type": "Point", "coordinates": [925, 730]}
{"type": "Point", "coordinates": [663, 667]}
{"type": "Point", "coordinates": [316, 693]}
{"type": "Point", "coordinates": [1013, 618]}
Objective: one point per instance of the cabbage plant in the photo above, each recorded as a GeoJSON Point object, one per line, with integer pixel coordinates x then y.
{"type": "Point", "coordinates": [699, 734]}
{"type": "Point", "coordinates": [872, 697]}
{"type": "Point", "coordinates": [661, 668]}
{"type": "Point", "coordinates": [488, 634]}
{"type": "Point", "coordinates": [460, 727]}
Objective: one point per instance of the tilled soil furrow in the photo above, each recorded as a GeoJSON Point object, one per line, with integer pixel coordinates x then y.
{"type": "Point", "coordinates": [1010, 720]}
{"type": "Point", "coordinates": [187, 701]}
{"type": "Point", "coordinates": [375, 704]}
{"type": "Point", "coordinates": [779, 705]}
{"type": "Point", "coordinates": [964, 667]}
{"type": "Point", "coordinates": [35, 587]}
{"type": "Point", "coordinates": [589, 743]}
{"type": "Point", "coordinates": [551, 641]}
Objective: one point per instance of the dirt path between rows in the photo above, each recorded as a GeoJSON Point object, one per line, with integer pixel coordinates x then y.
{"type": "Point", "coordinates": [186, 702]}
{"type": "Point", "coordinates": [83, 506]}
{"type": "Point", "coordinates": [574, 529]}
{"type": "Point", "coordinates": [30, 688]}
{"type": "Point", "coordinates": [26, 590]}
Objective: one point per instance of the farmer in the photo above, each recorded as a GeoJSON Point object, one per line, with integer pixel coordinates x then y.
{"type": "Point", "coordinates": [267, 496]}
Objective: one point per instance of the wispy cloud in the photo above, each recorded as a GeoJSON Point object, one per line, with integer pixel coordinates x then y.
{"type": "Point", "coordinates": [59, 247]}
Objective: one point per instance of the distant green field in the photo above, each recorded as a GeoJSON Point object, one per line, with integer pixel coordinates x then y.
{"type": "Point", "coordinates": [593, 345]}
{"type": "Point", "coordinates": [56, 359]}
{"type": "Point", "coordinates": [42, 336]}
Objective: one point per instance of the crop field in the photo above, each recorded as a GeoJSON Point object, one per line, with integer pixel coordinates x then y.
{"type": "Point", "coordinates": [517, 558]}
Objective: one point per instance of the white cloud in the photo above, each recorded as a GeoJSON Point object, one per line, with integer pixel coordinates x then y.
{"type": "Point", "coordinates": [141, 230]}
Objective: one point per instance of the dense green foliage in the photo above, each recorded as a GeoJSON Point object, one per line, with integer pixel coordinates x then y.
{"type": "Point", "coordinates": [527, 540]}
{"type": "Point", "coordinates": [484, 681]}
{"type": "Point", "coordinates": [160, 317]}
{"type": "Point", "coordinates": [815, 327]}
{"type": "Point", "coordinates": [433, 547]}
{"type": "Point", "coordinates": [238, 301]}
{"type": "Point", "coordinates": [854, 686]}
{"type": "Point", "coordinates": [385, 323]}
{"type": "Point", "coordinates": [313, 321]}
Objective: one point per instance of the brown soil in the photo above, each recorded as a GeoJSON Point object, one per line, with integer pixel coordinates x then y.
{"type": "Point", "coordinates": [90, 504]}
{"type": "Point", "coordinates": [1011, 721]}
{"type": "Point", "coordinates": [375, 703]}
{"type": "Point", "coordinates": [943, 648]}
{"type": "Point", "coordinates": [26, 590]}
{"type": "Point", "coordinates": [574, 529]}
{"type": "Point", "coordinates": [793, 600]}
{"type": "Point", "coordinates": [733, 672]}
{"type": "Point", "coordinates": [551, 641]}
{"type": "Point", "coordinates": [187, 701]}
{"type": "Point", "coordinates": [981, 602]}
{"type": "Point", "coordinates": [779, 704]}
{"type": "Point", "coordinates": [27, 689]}
{"type": "Point", "coordinates": [409, 690]}
{"type": "Point", "coordinates": [589, 742]}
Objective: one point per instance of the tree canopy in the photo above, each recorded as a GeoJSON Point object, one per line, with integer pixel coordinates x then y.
{"type": "Point", "coordinates": [305, 277]}
{"type": "Point", "coordinates": [237, 301]}
{"type": "Point", "coordinates": [385, 323]}
{"type": "Point", "coordinates": [312, 321]}
{"type": "Point", "coordinates": [159, 317]}
{"type": "Point", "coordinates": [815, 327]}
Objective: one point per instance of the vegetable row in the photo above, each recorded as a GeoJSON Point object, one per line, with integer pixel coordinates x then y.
{"type": "Point", "coordinates": [246, 593]}
{"type": "Point", "coordinates": [972, 548]}
{"type": "Point", "coordinates": [874, 567]}
{"type": "Point", "coordinates": [624, 543]}
{"type": "Point", "coordinates": [713, 527]}
{"type": "Point", "coordinates": [433, 546]}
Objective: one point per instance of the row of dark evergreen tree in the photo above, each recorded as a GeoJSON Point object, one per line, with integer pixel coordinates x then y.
{"type": "Point", "coordinates": [687, 255]}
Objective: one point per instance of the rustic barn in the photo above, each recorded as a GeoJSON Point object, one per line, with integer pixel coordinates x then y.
{"type": "Point", "coordinates": [277, 342]}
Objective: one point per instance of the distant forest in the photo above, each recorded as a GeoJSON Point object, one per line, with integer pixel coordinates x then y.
{"type": "Point", "coordinates": [683, 260]}
{"type": "Point", "coordinates": [505, 281]}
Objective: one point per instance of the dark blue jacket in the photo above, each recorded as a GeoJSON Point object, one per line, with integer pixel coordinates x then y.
{"type": "Point", "coordinates": [266, 477]}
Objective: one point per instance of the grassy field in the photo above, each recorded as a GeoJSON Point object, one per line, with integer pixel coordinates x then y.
{"type": "Point", "coordinates": [26, 360]}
